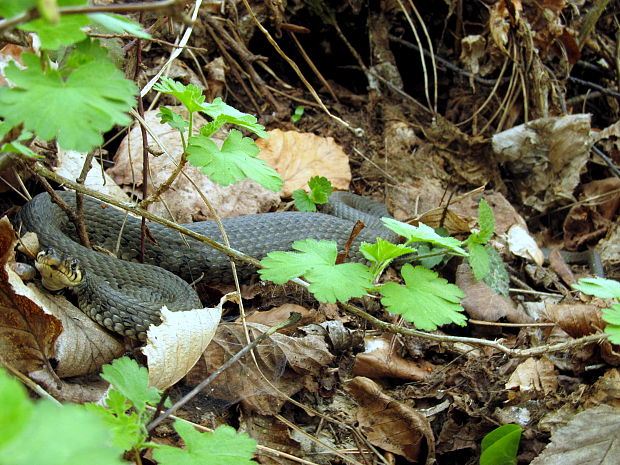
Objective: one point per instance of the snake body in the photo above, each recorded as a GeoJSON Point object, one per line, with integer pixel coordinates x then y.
{"type": "Point", "coordinates": [126, 297]}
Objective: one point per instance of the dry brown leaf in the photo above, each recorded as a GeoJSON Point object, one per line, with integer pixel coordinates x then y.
{"type": "Point", "coordinates": [592, 437]}
{"type": "Point", "coordinates": [29, 334]}
{"type": "Point", "coordinates": [576, 319]}
{"type": "Point", "coordinates": [534, 376]}
{"type": "Point", "coordinates": [298, 156]}
{"type": "Point", "coordinates": [559, 265]}
{"type": "Point", "coordinates": [473, 48]}
{"type": "Point", "coordinates": [483, 303]}
{"type": "Point", "coordinates": [380, 360]}
{"type": "Point", "coordinates": [410, 200]}
{"type": "Point", "coordinates": [499, 23]}
{"type": "Point", "coordinates": [277, 314]}
{"type": "Point", "coordinates": [284, 361]}
{"type": "Point", "coordinates": [391, 425]}
{"type": "Point", "coordinates": [606, 390]}
{"type": "Point", "coordinates": [182, 200]}
{"type": "Point", "coordinates": [545, 157]}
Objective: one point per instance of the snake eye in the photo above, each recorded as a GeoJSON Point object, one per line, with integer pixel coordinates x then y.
{"type": "Point", "coordinates": [73, 264]}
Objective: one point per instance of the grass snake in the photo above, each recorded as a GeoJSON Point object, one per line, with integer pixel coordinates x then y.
{"type": "Point", "coordinates": [126, 297]}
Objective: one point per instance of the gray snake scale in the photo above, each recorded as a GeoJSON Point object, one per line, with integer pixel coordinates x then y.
{"type": "Point", "coordinates": [126, 297]}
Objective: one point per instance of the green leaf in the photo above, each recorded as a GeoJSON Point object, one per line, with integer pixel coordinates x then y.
{"type": "Point", "coordinates": [382, 251]}
{"type": "Point", "coordinates": [479, 260]}
{"type": "Point", "coordinates": [174, 120]}
{"type": "Point", "coordinates": [61, 435]}
{"type": "Point", "coordinates": [16, 411]}
{"type": "Point", "coordinates": [10, 8]}
{"type": "Point", "coordinates": [127, 431]}
{"type": "Point", "coordinates": [94, 98]}
{"type": "Point", "coordinates": [84, 52]}
{"type": "Point", "coordinates": [423, 233]}
{"type": "Point", "coordinates": [236, 160]}
{"type": "Point", "coordinates": [67, 31]}
{"type": "Point", "coordinates": [599, 287]}
{"type": "Point", "coordinates": [317, 263]}
{"type": "Point", "coordinates": [426, 300]}
{"type": "Point", "coordinates": [190, 96]}
{"type": "Point", "coordinates": [119, 24]}
{"type": "Point", "coordinates": [16, 147]}
{"type": "Point", "coordinates": [223, 113]}
{"type": "Point", "coordinates": [429, 256]}
{"type": "Point", "coordinates": [320, 189]}
{"type": "Point", "coordinates": [303, 202]}
{"type": "Point", "coordinates": [132, 381]}
{"type": "Point", "coordinates": [501, 445]}
{"type": "Point", "coordinates": [222, 447]}
{"type": "Point", "coordinates": [486, 221]}
{"type": "Point", "coordinates": [612, 316]}
{"type": "Point", "coordinates": [498, 278]}
{"type": "Point", "coordinates": [296, 116]}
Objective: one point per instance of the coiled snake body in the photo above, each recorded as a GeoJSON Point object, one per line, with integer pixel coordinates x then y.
{"type": "Point", "coordinates": [126, 297]}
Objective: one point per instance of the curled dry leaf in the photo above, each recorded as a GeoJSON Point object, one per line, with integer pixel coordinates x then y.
{"type": "Point", "coordinates": [174, 346]}
{"type": "Point", "coordinates": [534, 376]}
{"type": "Point", "coordinates": [283, 362]}
{"type": "Point", "coordinates": [181, 202]}
{"type": "Point", "coordinates": [473, 52]}
{"type": "Point", "coordinates": [298, 156]}
{"type": "Point", "coordinates": [576, 319]}
{"type": "Point", "coordinates": [522, 244]}
{"type": "Point", "coordinates": [381, 359]}
{"type": "Point", "coordinates": [340, 338]}
{"type": "Point", "coordinates": [545, 156]}
{"type": "Point", "coordinates": [391, 425]}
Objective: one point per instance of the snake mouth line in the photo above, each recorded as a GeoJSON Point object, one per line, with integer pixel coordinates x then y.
{"type": "Point", "coordinates": [57, 271]}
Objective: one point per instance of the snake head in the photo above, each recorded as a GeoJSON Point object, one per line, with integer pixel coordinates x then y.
{"type": "Point", "coordinates": [58, 271]}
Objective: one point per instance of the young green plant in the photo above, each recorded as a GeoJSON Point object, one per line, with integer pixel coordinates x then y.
{"type": "Point", "coordinates": [236, 158]}
{"type": "Point", "coordinates": [426, 300]}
